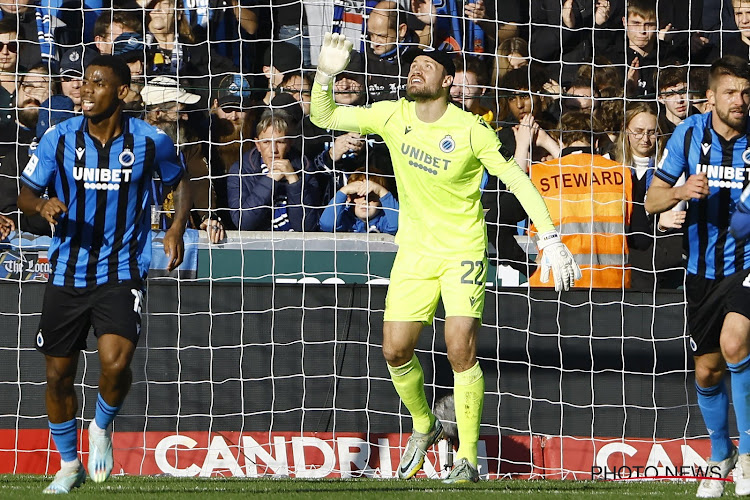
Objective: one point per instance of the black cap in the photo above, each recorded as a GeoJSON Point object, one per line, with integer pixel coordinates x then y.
{"type": "Point", "coordinates": [441, 57]}
{"type": "Point", "coordinates": [287, 104]}
{"type": "Point", "coordinates": [283, 56]}
{"type": "Point", "coordinates": [74, 61]}
{"type": "Point", "coordinates": [356, 64]}
{"type": "Point", "coordinates": [233, 90]}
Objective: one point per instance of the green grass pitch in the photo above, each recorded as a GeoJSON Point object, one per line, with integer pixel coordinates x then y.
{"type": "Point", "coordinates": [167, 488]}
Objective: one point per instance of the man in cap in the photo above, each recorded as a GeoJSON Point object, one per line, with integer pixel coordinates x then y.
{"type": "Point", "coordinates": [166, 108]}
{"type": "Point", "coordinates": [278, 59]}
{"type": "Point", "coordinates": [72, 66]}
{"type": "Point", "coordinates": [231, 130]}
{"type": "Point", "coordinates": [350, 87]}
{"type": "Point", "coordinates": [439, 155]}
{"type": "Point", "coordinates": [131, 48]}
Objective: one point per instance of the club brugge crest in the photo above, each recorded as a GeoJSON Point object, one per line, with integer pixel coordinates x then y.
{"type": "Point", "coordinates": [447, 144]}
{"type": "Point", "coordinates": [746, 156]}
{"type": "Point", "coordinates": [127, 158]}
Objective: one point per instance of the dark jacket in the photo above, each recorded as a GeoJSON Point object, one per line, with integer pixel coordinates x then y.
{"type": "Point", "coordinates": [255, 199]}
{"type": "Point", "coordinates": [551, 41]}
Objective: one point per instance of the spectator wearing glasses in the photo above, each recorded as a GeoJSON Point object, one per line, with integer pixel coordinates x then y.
{"type": "Point", "coordinates": [279, 59]}
{"type": "Point", "coordinates": [9, 71]}
{"type": "Point", "coordinates": [313, 138]}
{"type": "Point", "coordinates": [35, 87]}
{"type": "Point", "coordinates": [41, 41]}
{"type": "Point", "coordinates": [299, 85]}
{"type": "Point", "coordinates": [36, 102]}
{"type": "Point", "coordinates": [655, 241]}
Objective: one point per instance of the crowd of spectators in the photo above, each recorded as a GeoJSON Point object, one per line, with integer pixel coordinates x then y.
{"type": "Point", "coordinates": [230, 82]}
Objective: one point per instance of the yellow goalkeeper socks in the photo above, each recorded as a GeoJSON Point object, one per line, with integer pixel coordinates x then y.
{"type": "Point", "coordinates": [468, 393]}
{"type": "Point", "coordinates": [408, 379]}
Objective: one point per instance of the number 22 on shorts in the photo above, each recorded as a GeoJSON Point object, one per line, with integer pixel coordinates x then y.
{"type": "Point", "coordinates": [466, 278]}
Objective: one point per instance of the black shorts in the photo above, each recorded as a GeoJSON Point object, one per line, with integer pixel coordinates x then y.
{"type": "Point", "coordinates": [709, 301]}
{"type": "Point", "coordinates": [68, 313]}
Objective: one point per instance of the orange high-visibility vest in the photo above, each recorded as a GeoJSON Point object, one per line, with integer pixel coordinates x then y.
{"type": "Point", "coordinates": [590, 200]}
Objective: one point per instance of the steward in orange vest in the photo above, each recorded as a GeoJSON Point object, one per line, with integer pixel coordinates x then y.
{"type": "Point", "coordinates": [590, 199]}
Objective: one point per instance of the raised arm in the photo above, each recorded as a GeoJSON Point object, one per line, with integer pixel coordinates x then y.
{"type": "Point", "coordinates": [333, 59]}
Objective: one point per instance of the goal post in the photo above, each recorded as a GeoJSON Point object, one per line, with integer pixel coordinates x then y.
{"type": "Point", "coordinates": [264, 356]}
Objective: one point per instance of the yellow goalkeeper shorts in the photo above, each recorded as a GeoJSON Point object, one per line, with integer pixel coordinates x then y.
{"type": "Point", "coordinates": [418, 281]}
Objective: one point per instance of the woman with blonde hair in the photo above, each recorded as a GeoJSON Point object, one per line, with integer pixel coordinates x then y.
{"type": "Point", "coordinates": [655, 253]}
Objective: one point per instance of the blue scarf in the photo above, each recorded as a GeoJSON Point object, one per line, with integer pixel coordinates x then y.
{"type": "Point", "coordinates": [43, 31]}
{"type": "Point", "coordinates": [461, 35]}
{"type": "Point", "coordinates": [468, 36]}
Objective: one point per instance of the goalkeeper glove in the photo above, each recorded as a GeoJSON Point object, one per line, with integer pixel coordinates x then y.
{"type": "Point", "coordinates": [333, 58]}
{"type": "Point", "coordinates": [557, 258]}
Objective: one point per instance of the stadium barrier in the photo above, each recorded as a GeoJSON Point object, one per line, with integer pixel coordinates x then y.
{"type": "Point", "coordinates": [242, 376]}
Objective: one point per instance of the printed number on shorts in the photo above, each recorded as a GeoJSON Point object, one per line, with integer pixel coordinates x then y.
{"type": "Point", "coordinates": [137, 301]}
{"type": "Point", "coordinates": [479, 266]}
{"type": "Point", "coordinates": [747, 281]}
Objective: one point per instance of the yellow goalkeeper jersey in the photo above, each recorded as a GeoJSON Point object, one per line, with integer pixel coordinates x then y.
{"type": "Point", "coordinates": [438, 168]}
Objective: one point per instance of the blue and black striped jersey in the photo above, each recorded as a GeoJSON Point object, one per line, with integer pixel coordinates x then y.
{"type": "Point", "coordinates": [106, 234]}
{"type": "Point", "coordinates": [693, 148]}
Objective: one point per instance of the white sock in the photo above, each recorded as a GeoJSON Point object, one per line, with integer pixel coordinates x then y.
{"type": "Point", "coordinates": [70, 466]}
{"type": "Point", "coordinates": [95, 428]}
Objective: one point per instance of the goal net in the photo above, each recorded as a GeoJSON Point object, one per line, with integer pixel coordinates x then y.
{"type": "Point", "coordinates": [262, 356]}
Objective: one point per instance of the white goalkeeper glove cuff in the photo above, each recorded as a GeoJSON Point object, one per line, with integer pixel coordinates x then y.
{"type": "Point", "coordinates": [323, 79]}
{"type": "Point", "coordinates": [333, 58]}
{"type": "Point", "coordinates": [557, 258]}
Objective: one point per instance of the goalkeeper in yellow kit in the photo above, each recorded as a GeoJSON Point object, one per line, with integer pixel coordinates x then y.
{"type": "Point", "coordinates": [438, 153]}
